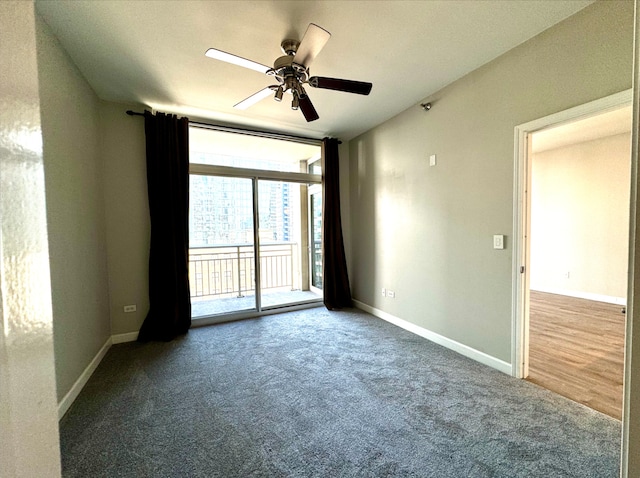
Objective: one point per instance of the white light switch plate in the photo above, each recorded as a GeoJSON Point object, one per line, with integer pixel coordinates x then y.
{"type": "Point", "coordinates": [498, 241]}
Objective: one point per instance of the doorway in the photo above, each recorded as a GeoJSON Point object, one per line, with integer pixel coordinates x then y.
{"type": "Point", "coordinates": [570, 257]}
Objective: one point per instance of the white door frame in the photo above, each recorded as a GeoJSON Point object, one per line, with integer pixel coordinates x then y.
{"type": "Point", "coordinates": [522, 168]}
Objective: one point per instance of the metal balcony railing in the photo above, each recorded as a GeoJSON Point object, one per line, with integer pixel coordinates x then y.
{"type": "Point", "coordinates": [230, 270]}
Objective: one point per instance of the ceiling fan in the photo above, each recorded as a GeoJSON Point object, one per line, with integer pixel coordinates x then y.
{"type": "Point", "coordinates": [291, 71]}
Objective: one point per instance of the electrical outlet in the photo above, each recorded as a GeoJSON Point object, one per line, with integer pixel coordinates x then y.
{"type": "Point", "coordinates": [130, 308]}
{"type": "Point", "coordinates": [391, 294]}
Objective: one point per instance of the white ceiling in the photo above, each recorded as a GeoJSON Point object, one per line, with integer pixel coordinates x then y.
{"type": "Point", "coordinates": [152, 52]}
{"type": "Point", "coordinates": [602, 125]}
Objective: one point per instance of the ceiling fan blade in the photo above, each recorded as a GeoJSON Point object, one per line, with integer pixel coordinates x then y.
{"type": "Point", "coordinates": [314, 39]}
{"type": "Point", "coordinates": [236, 60]}
{"type": "Point", "coordinates": [254, 98]}
{"type": "Point", "coordinates": [349, 86]}
{"type": "Point", "coordinates": [309, 112]}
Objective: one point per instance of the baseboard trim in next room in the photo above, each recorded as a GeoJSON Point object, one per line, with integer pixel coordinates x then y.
{"type": "Point", "coordinates": [462, 349]}
{"type": "Point", "coordinates": [79, 384]}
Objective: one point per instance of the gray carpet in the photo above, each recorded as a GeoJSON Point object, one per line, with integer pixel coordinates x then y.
{"type": "Point", "coordinates": [322, 394]}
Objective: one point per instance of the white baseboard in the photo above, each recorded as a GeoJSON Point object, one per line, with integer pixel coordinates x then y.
{"type": "Point", "coordinates": [122, 338]}
{"type": "Point", "coordinates": [79, 384]}
{"type": "Point", "coordinates": [609, 299]}
{"type": "Point", "coordinates": [462, 349]}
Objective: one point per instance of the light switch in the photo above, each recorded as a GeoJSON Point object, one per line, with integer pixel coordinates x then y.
{"type": "Point", "coordinates": [498, 241]}
{"type": "Point", "coordinates": [432, 160]}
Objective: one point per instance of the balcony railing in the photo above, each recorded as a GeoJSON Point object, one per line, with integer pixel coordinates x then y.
{"type": "Point", "coordinates": [228, 271]}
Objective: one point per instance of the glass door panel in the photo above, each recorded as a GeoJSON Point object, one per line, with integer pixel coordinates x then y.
{"type": "Point", "coordinates": [221, 245]}
{"type": "Point", "coordinates": [315, 208]}
{"type": "Point", "coordinates": [283, 258]}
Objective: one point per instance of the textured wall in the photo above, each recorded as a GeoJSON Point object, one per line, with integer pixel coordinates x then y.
{"type": "Point", "coordinates": [75, 211]}
{"type": "Point", "coordinates": [28, 414]}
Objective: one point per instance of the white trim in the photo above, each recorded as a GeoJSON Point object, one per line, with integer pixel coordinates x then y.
{"type": "Point", "coordinates": [122, 338]}
{"type": "Point", "coordinates": [462, 349]}
{"type": "Point", "coordinates": [609, 299]}
{"type": "Point", "coordinates": [602, 105]}
{"type": "Point", "coordinates": [259, 174]}
{"type": "Point", "coordinates": [79, 384]}
{"type": "Point", "coordinates": [251, 314]}
{"type": "Point", "coordinates": [519, 328]}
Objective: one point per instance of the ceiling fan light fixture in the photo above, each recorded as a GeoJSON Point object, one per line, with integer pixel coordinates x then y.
{"type": "Point", "coordinates": [278, 95]}
{"type": "Point", "coordinates": [295, 102]}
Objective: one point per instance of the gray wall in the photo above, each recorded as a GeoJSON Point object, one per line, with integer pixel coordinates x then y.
{"type": "Point", "coordinates": [75, 210]}
{"type": "Point", "coordinates": [426, 232]}
{"type": "Point", "coordinates": [127, 214]}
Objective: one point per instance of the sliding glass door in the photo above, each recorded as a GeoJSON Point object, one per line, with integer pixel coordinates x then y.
{"type": "Point", "coordinates": [253, 224]}
{"type": "Point", "coordinates": [221, 245]}
{"type": "Point", "coordinates": [283, 235]}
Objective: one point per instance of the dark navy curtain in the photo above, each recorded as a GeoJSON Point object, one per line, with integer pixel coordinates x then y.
{"type": "Point", "coordinates": [335, 282]}
{"type": "Point", "coordinates": [167, 142]}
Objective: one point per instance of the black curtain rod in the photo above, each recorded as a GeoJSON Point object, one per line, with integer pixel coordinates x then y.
{"type": "Point", "coordinates": [250, 132]}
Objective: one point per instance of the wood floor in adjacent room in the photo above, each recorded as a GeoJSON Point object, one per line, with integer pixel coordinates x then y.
{"type": "Point", "coordinates": [576, 349]}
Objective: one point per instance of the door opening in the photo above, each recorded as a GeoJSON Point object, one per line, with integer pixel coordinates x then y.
{"type": "Point", "coordinates": [570, 258]}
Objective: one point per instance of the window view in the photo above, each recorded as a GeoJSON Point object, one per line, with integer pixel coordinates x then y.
{"type": "Point", "coordinates": [283, 229]}
{"type": "Point", "coordinates": [252, 208]}
{"type": "Point", "coordinates": [221, 249]}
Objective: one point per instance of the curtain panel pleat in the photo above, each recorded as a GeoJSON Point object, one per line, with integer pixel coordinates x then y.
{"type": "Point", "coordinates": [167, 143]}
{"type": "Point", "coordinates": [335, 282]}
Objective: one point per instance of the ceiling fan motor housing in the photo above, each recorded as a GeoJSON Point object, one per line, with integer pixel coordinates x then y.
{"type": "Point", "coordinates": [288, 73]}
{"type": "Point", "coordinates": [289, 46]}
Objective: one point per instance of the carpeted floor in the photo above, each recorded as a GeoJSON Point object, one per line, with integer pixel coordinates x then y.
{"type": "Point", "coordinates": [323, 394]}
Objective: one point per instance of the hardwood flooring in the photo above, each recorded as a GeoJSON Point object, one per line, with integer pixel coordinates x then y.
{"type": "Point", "coordinates": [576, 349]}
